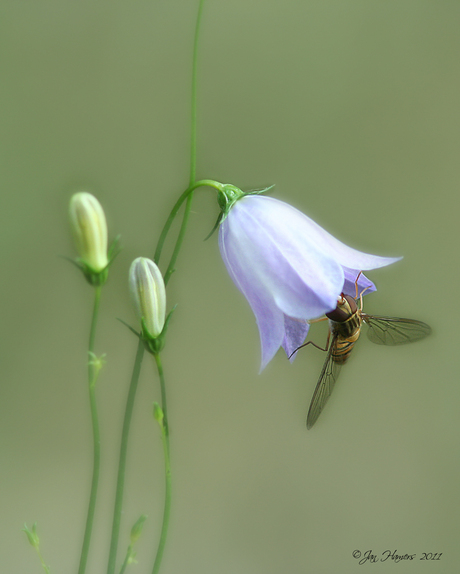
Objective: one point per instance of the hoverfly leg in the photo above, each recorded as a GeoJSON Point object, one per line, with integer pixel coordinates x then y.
{"type": "Point", "coordinates": [360, 295]}
{"type": "Point", "coordinates": [356, 284]}
{"type": "Point", "coordinates": [310, 321]}
{"type": "Point", "coordinates": [314, 344]}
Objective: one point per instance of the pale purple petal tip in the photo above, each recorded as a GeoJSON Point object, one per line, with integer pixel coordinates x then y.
{"type": "Point", "coordinates": [295, 333]}
{"type": "Point", "coordinates": [365, 285]}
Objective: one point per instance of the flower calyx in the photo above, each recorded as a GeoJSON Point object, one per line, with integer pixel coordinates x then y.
{"type": "Point", "coordinates": [227, 196]}
{"type": "Point", "coordinates": [155, 344]}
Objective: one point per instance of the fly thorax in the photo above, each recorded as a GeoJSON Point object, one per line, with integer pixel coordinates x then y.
{"type": "Point", "coordinates": [345, 319]}
{"type": "Point", "coordinates": [346, 307]}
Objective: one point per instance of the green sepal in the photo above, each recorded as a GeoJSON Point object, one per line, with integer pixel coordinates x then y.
{"type": "Point", "coordinates": [155, 344]}
{"type": "Point", "coordinates": [130, 328]}
{"type": "Point", "coordinates": [98, 278]}
{"type": "Point", "coordinates": [260, 191]}
{"type": "Point", "coordinates": [220, 218]}
{"type": "Point", "coordinates": [152, 344]}
{"type": "Point", "coordinates": [114, 249]}
{"type": "Point", "coordinates": [96, 363]}
{"type": "Point", "coordinates": [228, 195]}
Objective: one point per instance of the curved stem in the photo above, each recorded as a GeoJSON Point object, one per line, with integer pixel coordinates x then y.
{"type": "Point", "coordinates": [122, 461]}
{"type": "Point", "coordinates": [165, 440]}
{"type": "Point", "coordinates": [185, 195]}
{"type": "Point", "coordinates": [180, 238]}
{"type": "Point", "coordinates": [92, 376]}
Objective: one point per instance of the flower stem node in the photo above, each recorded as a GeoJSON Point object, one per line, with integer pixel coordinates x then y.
{"type": "Point", "coordinates": [158, 414]}
{"type": "Point", "coordinates": [148, 293]}
{"type": "Point", "coordinates": [89, 229]}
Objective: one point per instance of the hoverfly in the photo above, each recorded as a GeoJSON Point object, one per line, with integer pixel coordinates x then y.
{"type": "Point", "coordinates": [345, 323]}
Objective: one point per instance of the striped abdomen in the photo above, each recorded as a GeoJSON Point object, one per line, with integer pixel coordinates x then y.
{"type": "Point", "coordinates": [345, 324]}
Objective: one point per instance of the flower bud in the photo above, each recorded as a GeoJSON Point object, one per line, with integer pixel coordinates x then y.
{"type": "Point", "coordinates": [136, 530]}
{"type": "Point", "coordinates": [32, 535]}
{"type": "Point", "coordinates": [148, 294]}
{"type": "Point", "coordinates": [89, 228]}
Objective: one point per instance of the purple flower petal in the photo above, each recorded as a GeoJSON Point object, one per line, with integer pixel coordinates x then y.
{"type": "Point", "coordinates": [364, 284]}
{"type": "Point", "coordinates": [295, 333]}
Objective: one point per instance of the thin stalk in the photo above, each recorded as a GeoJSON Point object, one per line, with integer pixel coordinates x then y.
{"type": "Point", "coordinates": [125, 561]}
{"type": "Point", "coordinates": [122, 460]}
{"type": "Point", "coordinates": [188, 195]}
{"type": "Point", "coordinates": [92, 376]}
{"type": "Point", "coordinates": [194, 97]}
{"type": "Point", "coordinates": [43, 563]}
{"type": "Point", "coordinates": [165, 440]}
{"type": "Point", "coordinates": [192, 183]}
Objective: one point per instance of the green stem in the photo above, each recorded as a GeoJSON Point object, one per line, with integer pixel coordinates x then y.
{"type": "Point", "coordinates": [194, 98]}
{"type": "Point", "coordinates": [185, 195]}
{"type": "Point", "coordinates": [188, 193]}
{"type": "Point", "coordinates": [125, 562]}
{"type": "Point", "coordinates": [92, 375]}
{"type": "Point", "coordinates": [122, 461]}
{"type": "Point", "coordinates": [180, 238]}
{"type": "Point", "coordinates": [165, 440]}
{"type": "Point", "coordinates": [43, 563]}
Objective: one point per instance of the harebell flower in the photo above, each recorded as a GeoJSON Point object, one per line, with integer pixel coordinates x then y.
{"type": "Point", "coordinates": [288, 267]}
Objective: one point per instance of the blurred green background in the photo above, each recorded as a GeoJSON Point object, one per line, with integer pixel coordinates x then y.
{"type": "Point", "coordinates": [352, 110]}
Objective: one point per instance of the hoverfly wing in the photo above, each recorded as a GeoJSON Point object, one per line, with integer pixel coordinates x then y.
{"type": "Point", "coordinates": [394, 330]}
{"type": "Point", "coordinates": [325, 385]}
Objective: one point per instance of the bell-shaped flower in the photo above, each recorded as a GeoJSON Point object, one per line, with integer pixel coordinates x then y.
{"type": "Point", "coordinates": [289, 269]}
{"type": "Point", "coordinates": [89, 228]}
{"type": "Point", "coordinates": [148, 294]}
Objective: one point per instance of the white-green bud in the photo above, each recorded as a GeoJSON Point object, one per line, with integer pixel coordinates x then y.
{"type": "Point", "coordinates": [89, 228]}
{"type": "Point", "coordinates": [148, 294]}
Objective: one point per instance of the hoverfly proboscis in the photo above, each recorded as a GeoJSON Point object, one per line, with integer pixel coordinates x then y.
{"type": "Point", "coordinates": [345, 323]}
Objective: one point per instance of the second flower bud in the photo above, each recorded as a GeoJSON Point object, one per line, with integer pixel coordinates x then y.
{"type": "Point", "coordinates": [148, 294]}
